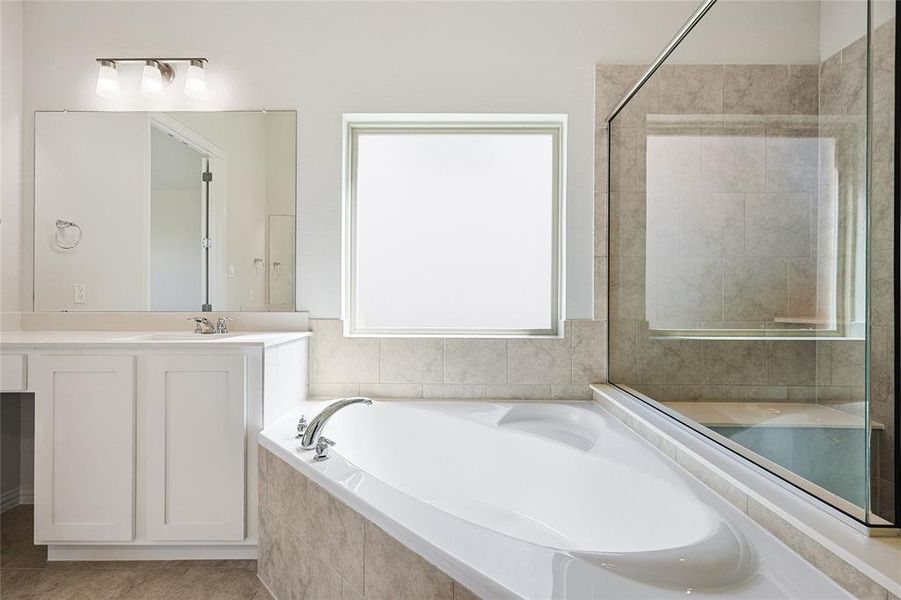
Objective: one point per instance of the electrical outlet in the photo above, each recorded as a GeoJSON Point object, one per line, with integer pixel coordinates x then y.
{"type": "Point", "coordinates": [81, 294]}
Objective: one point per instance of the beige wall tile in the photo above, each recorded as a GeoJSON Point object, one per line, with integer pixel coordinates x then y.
{"type": "Point", "coordinates": [475, 361]}
{"type": "Point", "coordinates": [519, 392]}
{"type": "Point", "coordinates": [735, 393]}
{"type": "Point", "coordinates": [733, 162]}
{"type": "Point", "coordinates": [454, 390]}
{"type": "Point", "coordinates": [334, 390]}
{"type": "Point", "coordinates": [627, 236]}
{"type": "Point", "coordinates": [854, 77]}
{"type": "Point", "coordinates": [627, 287]}
{"type": "Point", "coordinates": [623, 350]}
{"type": "Point", "coordinates": [848, 363]}
{"type": "Point", "coordinates": [670, 361]}
{"type": "Point", "coordinates": [790, 362]}
{"type": "Point", "coordinates": [337, 359]}
{"type": "Point", "coordinates": [600, 288]}
{"type": "Point", "coordinates": [600, 224]}
{"type": "Point", "coordinates": [754, 288]}
{"type": "Point", "coordinates": [690, 89]}
{"type": "Point", "coordinates": [802, 287]}
{"type": "Point", "coordinates": [778, 224]}
{"type": "Point", "coordinates": [734, 362]}
{"type": "Point", "coordinates": [571, 392]}
{"type": "Point", "coordinates": [348, 593]}
{"type": "Point", "coordinates": [613, 81]}
{"type": "Point", "coordinates": [712, 225]}
{"type": "Point", "coordinates": [589, 352]}
{"type": "Point", "coordinates": [756, 89]}
{"type": "Point", "coordinates": [689, 288]}
{"type": "Point", "coordinates": [540, 361]}
{"type": "Point", "coordinates": [461, 593]}
{"type": "Point", "coordinates": [803, 89]}
{"type": "Point", "coordinates": [792, 162]}
{"type": "Point", "coordinates": [673, 162]}
{"type": "Point", "coordinates": [391, 390]}
{"type": "Point", "coordinates": [411, 360]}
{"type": "Point", "coordinates": [395, 573]}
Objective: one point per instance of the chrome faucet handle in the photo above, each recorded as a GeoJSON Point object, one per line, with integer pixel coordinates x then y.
{"type": "Point", "coordinates": [222, 324]}
{"type": "Point", "coordinates": [301, 426]}
{"type": "Point", "coordinates": [199, 322]}
{"type": "Point", "coordinates": [322, 447]}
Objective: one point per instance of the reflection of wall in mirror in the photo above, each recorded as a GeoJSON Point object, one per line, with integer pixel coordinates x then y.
{"type": "Point", "coordinates": [260, 149]}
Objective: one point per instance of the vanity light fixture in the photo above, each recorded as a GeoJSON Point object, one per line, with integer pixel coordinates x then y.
{"type": "Point", "coordinates": [108, 79]}
{"type": "Point", "coordinates": [195, 84]}
{"type": "Point", "coordinates": [157, 73]}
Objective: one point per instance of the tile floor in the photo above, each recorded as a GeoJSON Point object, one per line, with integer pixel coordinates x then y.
{"type": "Point", "coordinates": [25, 573]}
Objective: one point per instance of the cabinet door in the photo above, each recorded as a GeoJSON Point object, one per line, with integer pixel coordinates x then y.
{"type": "Point", "coordinates": [84, 448]}
{"type": "Point", "coordinates": [195, 447]}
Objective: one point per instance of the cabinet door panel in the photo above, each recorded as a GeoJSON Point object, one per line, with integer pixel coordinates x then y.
{"type": "Point", "coordinates": [195, 447]}
{"type": "Point", "coordinates": [84, 448]}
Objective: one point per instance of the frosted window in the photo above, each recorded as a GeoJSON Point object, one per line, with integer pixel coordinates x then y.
{"type": "Point", "coordinates": [455, 231]}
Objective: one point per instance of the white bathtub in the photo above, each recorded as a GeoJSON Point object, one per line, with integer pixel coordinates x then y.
{"type": "Point", "coordinates": [544, 500]}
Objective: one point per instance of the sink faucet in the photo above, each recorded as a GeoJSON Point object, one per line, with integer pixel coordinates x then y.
{"type": "Point", "coordinates": [202, 325]}
{"type": "Point", "coordinates": [311, 434]}
{"type": "Point", "coordinates": [222, 324]}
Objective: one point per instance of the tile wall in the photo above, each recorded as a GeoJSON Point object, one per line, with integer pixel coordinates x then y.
{"type": "Point", "coordinates": [435, 368]}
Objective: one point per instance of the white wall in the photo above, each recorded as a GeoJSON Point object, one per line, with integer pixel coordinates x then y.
{"type": "Point", "coordinates": [326, 58]}
{"type": "Point", "coordinates": [11, 124]}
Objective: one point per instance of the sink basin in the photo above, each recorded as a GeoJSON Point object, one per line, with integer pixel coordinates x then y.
{"type": "Point", "coordinates": [176, 337]}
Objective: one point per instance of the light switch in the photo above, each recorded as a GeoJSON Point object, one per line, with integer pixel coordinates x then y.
{"type": "Point", "coordinates": [80, 293]}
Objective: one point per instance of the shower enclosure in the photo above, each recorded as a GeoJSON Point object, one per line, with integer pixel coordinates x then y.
{"type": "Point", "coordinates": [751, 255]}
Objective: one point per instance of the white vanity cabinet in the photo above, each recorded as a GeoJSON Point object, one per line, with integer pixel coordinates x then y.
{"type": "Point", "coordinates": [148, 450]}
{"type": "Point", "coordinates": [84, 465]}
{"type": "Point", "coordinates": [194, 440]}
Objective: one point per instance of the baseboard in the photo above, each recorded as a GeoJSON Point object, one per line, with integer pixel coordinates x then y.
{"type": "Point", "coordinates": [10, 499]}
{"type": "Point", "coordinates": [151, 552]}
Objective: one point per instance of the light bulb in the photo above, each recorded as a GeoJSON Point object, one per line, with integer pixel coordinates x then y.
{"type": "Point", "coordinates": [152, 79]}
{"type": "Point", "coordinates": [195, 84]}
{"type": "Point", "coordinates": [108, 80]}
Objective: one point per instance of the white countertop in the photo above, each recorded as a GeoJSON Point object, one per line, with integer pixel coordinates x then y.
{"type": "Point", "coordinates": [38, 338]}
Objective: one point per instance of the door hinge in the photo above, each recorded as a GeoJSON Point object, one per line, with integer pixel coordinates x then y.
{"type": "Point", "coordinates": [207, 176]}
{"type": "Point", "coordinates": [206, 243]}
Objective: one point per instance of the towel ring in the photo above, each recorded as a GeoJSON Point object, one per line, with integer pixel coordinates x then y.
{"type": "Point", "coordinates": [59, 238]}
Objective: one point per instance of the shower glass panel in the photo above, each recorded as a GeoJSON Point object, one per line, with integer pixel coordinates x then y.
{"type": "Point", "coordinates": [751, 242]}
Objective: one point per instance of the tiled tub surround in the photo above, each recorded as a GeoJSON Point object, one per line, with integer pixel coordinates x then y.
{"type": "Point", "coordinates": [458, 367]}
{"type": "Point", "coordinates": [867, 567]}
{"type": "Point", "coordinates": [424, 520]}
{"type": "Point", "coordinates": [730, 232]}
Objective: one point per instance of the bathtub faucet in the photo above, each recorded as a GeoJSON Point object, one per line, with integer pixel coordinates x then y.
{"type": "Point", "coordinates": [312, 438]}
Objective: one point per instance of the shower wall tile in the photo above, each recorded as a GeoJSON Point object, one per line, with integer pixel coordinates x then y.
{"type": "Point", "coordinates": [627, 237]}
{"type": "Point", "coordinates": [734, 362]}
{"type": "Point", "coordinates": [690, 288]}
{"type": "Point", "coordinates": [883, 62]}
{"type": "Point", "coordinates": [690, 89]}
{"type": "Point", "coordinates": [627, 161]}
{"type": "Point", "coordinates": [791, 161]}
{"type": "Point", "coordinates": [576, 391]}
{"type": "Point", "coordinates": [601, 234]}
{"type": "Point", "coordinates": [475, 361]}
{"type": "Point", "coordinates": [756, 89]}
{"type": "Point", "coordinates": [669, 360]}
{"type": "Point", "coordinates": [623, 351]}
{"type": "Point", "coordinates": [391, 390]}
{"type": "Point", "coordinates": [411, 360]}
{"type": "Point", "coordinates": [802, 287]}
{"type": "Point", "coordinates": [778, 224]}
{"type": "Point", "coordinates": [854, 78]}
{"type": "Point", "coordinates": [848, 364]}
{"type": "Point", "coordinates": [803, 89]}
{"type": "Point", "coordinates": [627, 287]}
{"type": "Point", "coordinates": [831, 85]}
{"type": "Point", "coordinates": [600, 288]}
{"type": "Point", "coordinates": [791, 362]}
{"type": "Point", "coordinates": [754, 289]}
{"type": "Point", "coordinates": [711, 225]}
{"type": "Point", "coordinates": [589, 351]}
{"type": "Point", "coordinates": [733, 161]}
{"type": "Point", "coordinates": [612, 83]}
{"type": "Point", "coordinates": [673, 161]}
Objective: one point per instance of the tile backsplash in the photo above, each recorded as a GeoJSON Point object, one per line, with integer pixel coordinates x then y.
{"type": "Point", "coordinates": [514, 369]}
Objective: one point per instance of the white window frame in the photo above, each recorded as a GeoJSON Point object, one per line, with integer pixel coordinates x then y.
{"type": "Point", "coordinates": [355, 123]}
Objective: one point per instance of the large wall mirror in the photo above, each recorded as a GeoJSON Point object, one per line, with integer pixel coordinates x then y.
{"type": "Point", "coordinates": [168, 211]}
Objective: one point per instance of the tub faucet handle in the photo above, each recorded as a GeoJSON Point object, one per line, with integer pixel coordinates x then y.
{"type": "Point", "coordinates": [322, 447]}
{"type": "Point", "coordinates": [301, 426]}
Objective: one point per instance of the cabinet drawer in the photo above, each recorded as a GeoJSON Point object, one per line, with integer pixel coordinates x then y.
{"type": "Point", "coordinates": [13, 374]}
